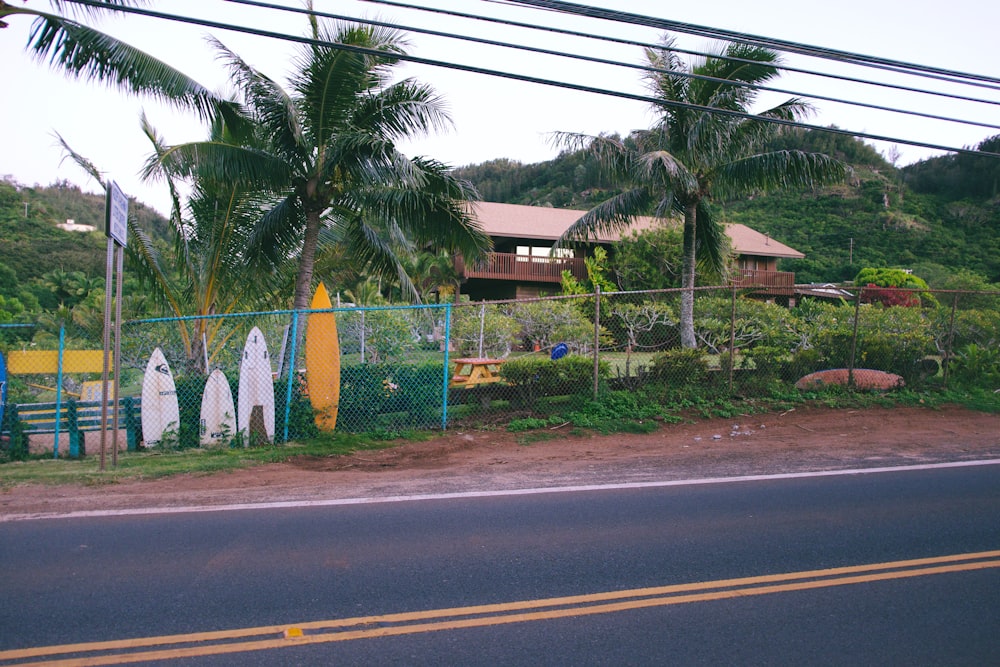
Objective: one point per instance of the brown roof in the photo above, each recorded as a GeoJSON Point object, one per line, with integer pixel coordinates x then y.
{"type": "Point", "coordinates": [548, 224]}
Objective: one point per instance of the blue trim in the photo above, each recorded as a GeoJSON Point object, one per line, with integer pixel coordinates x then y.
{"type": "Point", "coordinates": [291, 372]}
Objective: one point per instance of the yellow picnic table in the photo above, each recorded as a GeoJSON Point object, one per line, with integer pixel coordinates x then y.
{"type": "Point", "coordinates": [472, 371]}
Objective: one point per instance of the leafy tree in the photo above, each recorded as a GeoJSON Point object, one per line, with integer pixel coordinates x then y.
{"type": "Point", "coordinates": [546, 323]}
{"type": "Point", "coordinates": [650, 259]}
{"type": "Point", "coordinates": [486, 329]}
{"type": "Point", "coordinates": [326, 149]}
{"type": "Point", "coordinates": [890, 287]}
{"type": "Point", "coordinates": [597, 275]}
{"type": "Point", "coordinates": [959, 174]}
{"type": "Point", "coordinates": [704, 143]}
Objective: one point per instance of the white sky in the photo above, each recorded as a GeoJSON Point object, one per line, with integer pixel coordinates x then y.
{"type": "Point", "coordinates": [493, 117]}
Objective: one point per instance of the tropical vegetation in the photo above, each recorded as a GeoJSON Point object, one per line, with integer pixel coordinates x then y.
{"type": "Point", "coordinates": [691, 154]}
{"type": "Point", "coordinates": [326, 152]}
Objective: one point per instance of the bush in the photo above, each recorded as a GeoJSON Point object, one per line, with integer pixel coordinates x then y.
{"type": "Point", "coordinates": [680, 367]}
{"type": "Point", "coordinates": [975, 366]}
{"type": "Point", "coordinates": [534, 377]}
{"type": "Point", "coordinates": [369, 392]}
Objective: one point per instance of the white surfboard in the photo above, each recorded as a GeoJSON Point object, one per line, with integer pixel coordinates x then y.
{"type": "Point", "coordinates": [218, 412]}
{"type": "Point", "coordinates": [256, 385]}
{"type": "Point", "coordinates": [160, 412]}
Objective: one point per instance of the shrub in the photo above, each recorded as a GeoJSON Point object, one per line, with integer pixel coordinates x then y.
{"type": "Point", "coordinates": [534, 377]}
{"type": "Point", "coordinates": [370, 391]}
{"type": "Point", "coordinates": [680, 367]}
{"type": "Point", "coordinates": [975, 366]}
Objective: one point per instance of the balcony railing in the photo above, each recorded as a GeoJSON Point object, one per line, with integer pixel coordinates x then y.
{"type": "Point", "coordinates": [524, 268]}
{"type": "Point", "coordinates": [772, 282]}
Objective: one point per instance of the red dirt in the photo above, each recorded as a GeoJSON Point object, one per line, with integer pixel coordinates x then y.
{"type": "Point", "coordinates": [802, 439]}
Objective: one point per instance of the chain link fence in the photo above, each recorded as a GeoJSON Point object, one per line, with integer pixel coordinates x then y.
{"type": "Point", "coordinates": [387, 370]}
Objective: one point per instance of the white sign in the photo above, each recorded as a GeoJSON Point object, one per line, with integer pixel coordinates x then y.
{"type": "Point", "coordinates": [117, 214]}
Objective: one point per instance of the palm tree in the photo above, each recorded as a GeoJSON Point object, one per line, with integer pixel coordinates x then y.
{"type": "Point", "coordinates": [206, 271]}
{"type": "Point", "coordinates": [433, 273]}
{"type": "Point", "coordinates": [692, 154]}
{"type": "Point", "coordinates": [327, 153]}
{"type": "Point", "coordinates": [87, 53]}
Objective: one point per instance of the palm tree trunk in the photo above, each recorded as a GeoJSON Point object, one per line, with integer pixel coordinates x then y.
{"type": "Point", "coordinates": [688, 339]}
{"type": "Point", "coordinates": [303, 281]}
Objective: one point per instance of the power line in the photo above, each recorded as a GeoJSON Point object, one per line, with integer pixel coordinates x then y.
{"type": "Point", "coordinates": [616, 63]}
{"type": "Point", "coordinates": [630, 42]}
{"type": "Point", "coordinates": [519, 77]}
{"type": "Point", "coordinates": [779, 44]}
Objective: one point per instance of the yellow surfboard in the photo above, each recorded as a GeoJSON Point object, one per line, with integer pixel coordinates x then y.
{"type": "Point", "coordinates": [323, 362]}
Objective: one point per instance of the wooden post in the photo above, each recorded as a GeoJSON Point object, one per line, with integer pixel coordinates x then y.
{"type": "Point", "coordinates": [854, 339]}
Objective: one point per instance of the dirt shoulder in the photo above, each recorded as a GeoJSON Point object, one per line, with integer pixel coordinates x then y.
{"type": "Point", "coordinates": [803, 439]}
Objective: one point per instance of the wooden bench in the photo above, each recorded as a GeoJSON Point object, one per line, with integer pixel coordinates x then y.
{"type": "Point", "coordinates": [76, 418]}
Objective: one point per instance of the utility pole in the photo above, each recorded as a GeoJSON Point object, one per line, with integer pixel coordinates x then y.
{"type": "Point", "coordinates": [25, 210]}
{"type": "Point", "coordinates": [850, 259]}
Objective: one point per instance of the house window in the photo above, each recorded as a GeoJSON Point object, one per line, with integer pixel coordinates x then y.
{"type": "Point", "coordinates": [525, 252]}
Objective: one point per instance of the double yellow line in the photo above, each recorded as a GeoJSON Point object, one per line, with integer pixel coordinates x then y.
{"type": "Point", "coordinates": [366, 627]}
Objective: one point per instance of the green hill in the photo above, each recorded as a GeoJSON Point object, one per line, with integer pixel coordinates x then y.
{"type": "Point", "coordinates": [34, 246]}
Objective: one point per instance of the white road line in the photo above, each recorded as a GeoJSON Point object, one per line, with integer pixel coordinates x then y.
{"type": "Point", "coordinates": [335, 502]}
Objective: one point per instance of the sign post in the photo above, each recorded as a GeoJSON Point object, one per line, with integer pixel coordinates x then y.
{"type": "Point", "coordinates": [116, 229]}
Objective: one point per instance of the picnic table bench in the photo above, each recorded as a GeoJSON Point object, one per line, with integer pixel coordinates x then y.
{"type": "Point", "coordinates": [473, 371]}
{"type": "Point", "coordinates": [75, 418]}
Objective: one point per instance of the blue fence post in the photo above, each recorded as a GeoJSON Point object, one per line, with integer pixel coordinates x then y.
{"type": "Point", "coordinates": [292, 376]}
{"type": "Point", "coordinates": [447, 367]}
{"type": "Point", "coordinates": [59, 384]}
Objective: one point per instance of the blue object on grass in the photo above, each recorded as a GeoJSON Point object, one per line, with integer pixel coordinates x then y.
{"type": "Point", "coordinates": [559, 351]}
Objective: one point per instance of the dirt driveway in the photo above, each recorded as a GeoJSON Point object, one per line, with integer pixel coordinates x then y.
{"type": "Point", "coordinates": [803, 439]}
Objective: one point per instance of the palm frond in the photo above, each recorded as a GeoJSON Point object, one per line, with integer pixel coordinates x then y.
{"type": "Point", "coordinates": [666, 171]}
{"type": "Point", "coordinates": [778, 169]}
{"type": "Point", "coordinates": [402, 110]}
{"type": "Point", "coordinates": [154, 167]}
{"type": "Point", "coordinates": [611, 217]}
{"type": "Point", "coordinates": [370, 250]}
{"type": "Point", "coordinates": [81, 161]}
{"type": "Point", "coordinates": [91, 55]}
{"type": "Point", "coordinates": [711, 242]}
{"type": "Point", "coordinates": [144, 263]}
{"type": "Point", "coordinates": [277, 234]}
{"type": "Point", "coordinates": [227, 163]}
{"type": "Point", "coordinates": [273, 112]}
{"type": "Point", "coordinates": [431, 211]}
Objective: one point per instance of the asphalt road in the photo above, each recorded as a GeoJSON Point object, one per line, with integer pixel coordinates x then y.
{"type": "Point", "coordinates": [889, 568]}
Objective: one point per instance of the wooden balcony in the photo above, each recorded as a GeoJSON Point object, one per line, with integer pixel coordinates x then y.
{"type": "Point", "coordinates": [522, 268]}
{"type": "Point", "coordinates": [525, 269]}
{"type": "Point", "coordinates": [769, 282]}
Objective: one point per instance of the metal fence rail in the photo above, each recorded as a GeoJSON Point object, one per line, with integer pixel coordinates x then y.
{"type": "Point", "coordinates": [401, 368]}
